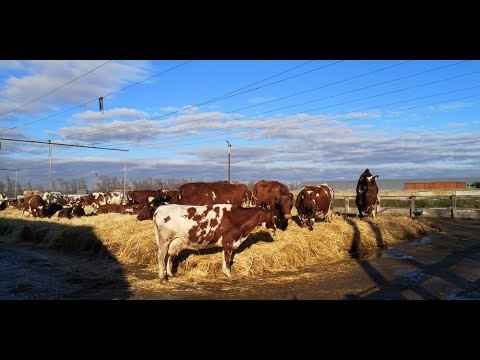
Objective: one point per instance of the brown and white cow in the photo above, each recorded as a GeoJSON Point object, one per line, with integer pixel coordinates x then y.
{"type": "Point", "coordinates": [36, 206]}
{"type": "Point", "coordinates": [276, 196]}
{"type": "Point", "coordinates": [53, 197]}
{"type": "Point", "coordinates": [210, 193]}
{"type": "Point", "coordinates": [147, 211]}
{"type": "Point", "coordinates": [313, 202]}
{"type": "Point", "coordinates": [367, 194]}
{"type": "Point", "coordinates": [179, 227]}
{"type": "Point", "coordinates": [109, 209]}
{"type": "Point", "coordinates": [71, 212]}
{"type": "Point", "coordinates": [144, 196]}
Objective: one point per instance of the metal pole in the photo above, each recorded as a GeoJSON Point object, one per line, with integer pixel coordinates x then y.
{"type": "Point", "coordinates": [16, 177]}
{"type": "Point", "coordinates": [229, 146]}
{"type": "Point", "coordinates": [124, 182]}
{"type": "Point", "coordinates": [96, 183]}
{"type": "Point", "coordinates": [50, 155]}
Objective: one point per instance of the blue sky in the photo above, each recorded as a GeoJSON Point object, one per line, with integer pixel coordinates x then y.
{"type": "Point", "coordinates": [288, 120]}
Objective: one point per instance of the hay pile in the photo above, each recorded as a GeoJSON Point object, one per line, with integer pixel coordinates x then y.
{"type": "Point", "coordinates": [133, 242]}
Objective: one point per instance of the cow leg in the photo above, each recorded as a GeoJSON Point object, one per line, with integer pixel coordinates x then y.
{"type": "Point", "coordinates": [170, 264]}
{"type": "Point", "coordinates": [162, 253]}
{"type": "Point", "coordinates": [311, 220]}
{"type": "Point", "coordinates": [227, 259]}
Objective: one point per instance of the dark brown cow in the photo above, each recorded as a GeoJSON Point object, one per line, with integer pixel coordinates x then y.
{"type": "Point", "coordinates": [210, 193]}
{"type": "Point", "coordinates": [179, 227]}
{"type": "Point", "coordinates": [3, 205]}
{"type": "Point", "coordinates": [313, 202]}
{"type": "Point", "coordinates": [367, 194]}
{"type": "Point", "coordinates": [274, 195]}
{"type": "Point", "coordinates": [71, 212]}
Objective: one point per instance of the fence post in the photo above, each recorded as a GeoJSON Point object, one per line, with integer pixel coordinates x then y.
{"type": "Point", "coordinates": [412, 205]}
{"type": "Point", "coordinates": [347, 205]}
{"type": "Point", "coordinates": [454, 206]}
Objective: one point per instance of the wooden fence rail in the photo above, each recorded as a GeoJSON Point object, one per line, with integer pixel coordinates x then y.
{"type": "Point", "coordinates": [413, 196]}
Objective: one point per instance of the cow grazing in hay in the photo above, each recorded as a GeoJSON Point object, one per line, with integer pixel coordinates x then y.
{"type": "Point", "coordinates": [313, 202]}
{"type": "Point", "coordinates": [276, 196]}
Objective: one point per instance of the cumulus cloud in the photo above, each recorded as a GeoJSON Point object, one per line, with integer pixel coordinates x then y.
{"type": "Point", "coordinates": [43, 76]}
{"type": "Point", "coordinates": [112, 113]}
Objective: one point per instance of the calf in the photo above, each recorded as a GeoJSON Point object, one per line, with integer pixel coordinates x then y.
{"type": "Point", "coordinates": [313, 202]}
{"type": "Point", "coordinates": [179, 227]}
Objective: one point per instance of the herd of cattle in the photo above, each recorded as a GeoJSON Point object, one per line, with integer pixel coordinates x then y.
{"type": "Point", "coordinates": [205, 214]}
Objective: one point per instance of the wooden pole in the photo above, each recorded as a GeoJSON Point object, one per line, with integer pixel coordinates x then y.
{"type": "Point", "coordinates": [50, 155]}
{"type": "Point", "coordinates": [347, 205]}
{"type": "Point", "coordinates": [229, 146]}
{"type": "Point", "coordinates": [454, 206]}
{"type": "Point", "coordinates": [412, 205]}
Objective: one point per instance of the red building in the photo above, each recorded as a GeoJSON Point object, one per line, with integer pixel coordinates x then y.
{"type": "Point", "coordinates": [435, 185]}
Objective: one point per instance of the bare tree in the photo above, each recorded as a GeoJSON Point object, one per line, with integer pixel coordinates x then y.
{"type": "Point", "coordinates": [109, 183]}
{"type": "Point", "coordinates": [155, 184]}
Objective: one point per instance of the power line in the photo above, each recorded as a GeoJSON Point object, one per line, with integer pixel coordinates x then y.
{"type": "Point", "coordinates": [326, 116]}
{"type": "Point", "coordinates": [67, 83]}
{"type": "Point", "coordinates": [96, 99]}
{"type": "Point", "coordinates": [222, 97]}
{"type": "Point", "coordinates": [320, 108]}
{"type": "Point", "coordinates": [211, 116]}
{"type": "Point", "coordinates": [299, 104]}
{"type": "Point", "coordinates": [61, 144]}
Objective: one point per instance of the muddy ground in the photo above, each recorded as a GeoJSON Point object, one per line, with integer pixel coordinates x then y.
{"type": "Point", "coordinates": [444, 265]}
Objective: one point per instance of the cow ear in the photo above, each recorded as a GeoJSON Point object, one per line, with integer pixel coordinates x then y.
{"type": "Point", "coordinates": [375, 177]}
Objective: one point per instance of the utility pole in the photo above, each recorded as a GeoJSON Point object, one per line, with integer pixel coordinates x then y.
{"type": "Point", "coordinates": [229, 146]}
{"type": "Point", "coordinates": [96, 183]}
{"type": "Point", "coordinates": [50, 155]}
{"type": "Point", "coordinates": [124, 182]}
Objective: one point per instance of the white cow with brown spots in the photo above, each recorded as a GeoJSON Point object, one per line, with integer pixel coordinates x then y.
{"type": "Point", "coordinates": [179, 227]}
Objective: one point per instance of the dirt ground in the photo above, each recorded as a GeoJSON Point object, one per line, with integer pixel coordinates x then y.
{"type": "Point", "coordinates": [444, 265]}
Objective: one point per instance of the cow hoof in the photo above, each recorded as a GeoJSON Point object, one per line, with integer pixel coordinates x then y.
{"type": "Point", "coordinates": [164, 279]}
{"type": "Point", "coordinates": [311, 229]}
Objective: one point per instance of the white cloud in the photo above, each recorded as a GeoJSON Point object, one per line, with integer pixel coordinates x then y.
{"type": "Point", "coordinates": [11, 65]}
{"type": "Point", "coordinates": [113, 113]}
{"type": "Point", "coordinates": [43, 76]}
{"type": "Point", "coordinates": [361, 115]}
{"type": "Point", "coordinates": [456, 125]}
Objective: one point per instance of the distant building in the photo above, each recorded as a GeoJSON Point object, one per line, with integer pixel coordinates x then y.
{"type": "Point", "coordinates": [435, 185]}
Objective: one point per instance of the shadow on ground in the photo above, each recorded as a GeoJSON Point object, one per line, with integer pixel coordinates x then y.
{"type": "Point", "coordinates": [45, 260]}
